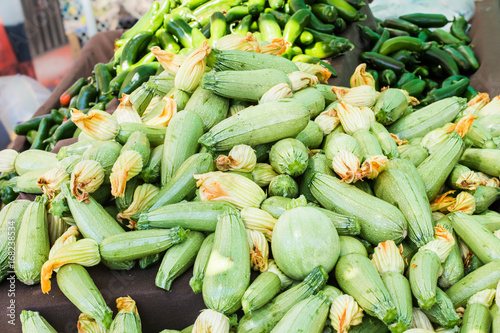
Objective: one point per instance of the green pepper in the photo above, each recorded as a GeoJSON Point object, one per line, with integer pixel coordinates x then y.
{"type": "Point", "coordinates": [57, 116]}
{"type": "Point", "coordinates": [444, 37]}
{"type": "Point", "coordinates": [185, 13]}
{"type": "Point", "coordinates": [132, 49]}
{"type": "Point", "coordinates": [217, 26]}
{"type": "Point", "coordinates": [139, 25]}
{"type": "Point", "coordinates": [437, 71]}
{"type": "Point", "coordinates": [244, 26]}
{"type": "Point", "coordinates": [426, 20]}
{"type": "Point", "coordinates": [116, 82]}
{"type": "Point", "coordinates": [375, 75]}
{"type": "Point", "coordinates": [334, 48]}
{"type": "Point", "coordinates": [402, 55]}
{"type": "Point", "coordinates": [384, 36]}
{"type": "Point", "coordinates": [451, 80]}
{"type": "Point", "coordinates": [470, 93]}
{"type": "Point", "coordinates": [344, 9]}
{"type": "Point", "coordinates": [64, 131]}
{"type": "Point", "coordinates": [431, 84]}
{"type": "Point", "coordinates": [268, 27]}
{"type": "Point", "coordinates": [468, 54]}
{"type": "Point", "coordinates": [356, 3]}
{"type": "Point", "coordinates": [306, 38]}
{"type": "Point", "coordinates": [276, 4]}
{"type": "Point", "coordinates": [254, 27]}
{"type": "Point", "coordinates": [7, 194]}
{"type": "Point", "coordinates": [31, 135]}
{"type": "Point", "coordinates": [30, 124]}
{"type": "Point", "coordinates": [72, 91]}
{"type": "Point", "coordinates": [397, 33]}
{"type": "Point", "coordinates": [167, 42]}
{"type": "Point", "coordinates": [255, 7]}
{"type": "Point", "coordinates": [414, 87]}
{"type": "Point", "coordinates": [156, 20]}
{"type": "Point", "coordinates": [424, 35]}
{"type": "Point", "coordinates": [53, 129]}
{"type": "Point", "coordinates": [198, 37]}
{"type": "Point", "coordinates": [462, 63]}
{"type": "Point", "coordinates": [43, 133]}
{"type": "Point", "coordinates": [369, 34]}
{"type": "Point", "coordinates": [72, 103]}
{"type": "Point", "coordinates": [441, 58]}
{"type": "Point", "coordinates": [319, 36]}
{"type": "Point", "coordinates": [401, 24]}
{"type": "Point", "coordinates": [176, 26]}
{"type": "Point", "coordinates": [456, 89]}
{"type": "Point", "coordinates": [192, 4]}
{"type": "Point", "coordinates": [87, 95]}
{"type": "Point", "coordinates": [102, 78]}
{"type": "Point", "coordinates": [296, 25]}
{"type": "Point", "coordinates": [99, 106]}
{"type": "Point", "coordinates": [388, 78]}
{"type": "Point", "coordinates": [381, 62]}
{"type": "Point", "coordinates": [405, 78]}
{"type": "Point", "coordinates": [138, 76]}
{"type": "Point", "coordinates": [340, 25]}
{"type": "Point", "coordinates": [421, 71]}
{"type": "Point", "coordinates": [236, 13]}
{"type": "Point", "coordinates": [313, 60]}
{"type": "Point", "coordinates": [211, 5]}
{"type": "Point", "coordinates": [459, 28]}
{"type": "Point", "coordinates": [326, 13]}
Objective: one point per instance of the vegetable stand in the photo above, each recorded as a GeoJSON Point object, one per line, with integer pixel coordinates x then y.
{"type": "Point", "coordinates": [179, 307]}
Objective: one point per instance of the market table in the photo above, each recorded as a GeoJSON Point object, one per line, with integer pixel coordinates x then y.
{"type": "Point", "coordinates": [178, 308]}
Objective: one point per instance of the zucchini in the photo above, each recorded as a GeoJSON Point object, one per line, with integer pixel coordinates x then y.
{"type": "Point", "coordinates": [104, 152]}
{"type": "Point", "coordinates": [379, 220]}
{"type": "Point", "coordinates": [275, 206]}
{"type": "Point", "coordinates": [289, 156]}
{"type": "Point", "coordinates": [138, 141]}
{"type": "Point", "coordinates": [261, 291]}
{"type": "Point", "coordinates": [311, 136]}
{"type": "Point", "coordinates": [256, 125]}
{"type": "Point", "coordinates": [350, 245]}
{"type": "Point", "coordinates": [312, 99]}
{"type": "Point", "coordinates": [309, 315]}
{"type": "Point", "coordinates": [200, 263]}
{"type": "Point", "coordinates": [155, 134]}
{"type": "Point", "coordinates": [151, 173]}
{"type": "Point", "coordinates": [317, 163]}
{"type": "Point", "coordinates": [385, 140]}
{"type": "Point", "coordinates": [414, 153]}
{"type": "Point", "coordinates": [443, 312]}
{"type": "Point", "coordinates": [485, 196]}
{"type": "Point", "coordinates": [235, 60]}
{"type": "Point", "coordinates": [390, 106]}
{"type": "Point", "coordinates": [223, 288]}
{"type": "Point", "coordinates": [345, 224]}
{"type": "Point", "coordinates": [484, 160]}
{"type": "Point", "coordinates": [423, 274]}
{"type": "Point", "coordinates": [489, 219]}
{"type": "Point", "coordinates": [211, 108]}
{"type": "Point", "coordinates": [453, 267]}
{"type": "Point", "coordinates": [34, 159]}
{"type": "Point", "coordinates": [368, 143]}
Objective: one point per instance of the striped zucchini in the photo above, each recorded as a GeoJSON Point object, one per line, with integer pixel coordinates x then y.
{"type": "Point", "coordinates": [390, 106]}
{"type": "Point", "coordinates": [453, 267]}
{"type": "Point", "coordinates": [151, 173]}
{"type": "Point", "coordinates": [138, 141]}
{"type": "Point", "coordinates": [342, 141]}
{"type": "Point", "coordinates": [408, 168]}
{"type": "Point", "coordinates": [480, 136]}
{"type": "Point", "coordinates": [443, 312]}
{"type": "Point", "coordinates": [26, 183]}
{"type": "Point", "coordinates": [379, 220]}
{"type": "Point", "coordinates": [234, 60]}
{"type": "Point", "coordinates": [32, 322]}
{"type": "Point", "coordinates": [312, 99]}
{"type": "Point", "coordinates": [484, 160]}
{"type": "Point", "coordinates": [256, 125]}
{"type": "Point", "coordinates": [309, 315]}
{"type": "Point", "coordinates": [368, 142]}
{"type": "Point", "coordinates": [357, 276]}
{"type": "Point", "coordinates": [155, 134]}
{"type": "Point", "coordinates": [182, 185]}
{"type": "Point", "coordinates": [327, 93]}
{"type": "Point", "coordinates": [424, 270]}
{"type": "Point", "coordinates": [369, 325]}
{"type": "Point", "coordinates": [403, 191]}
{"type": "Point", "coordinates": [345, 224]}
{"type": "Point", "coordinates": [75, 149]}
{"type": "Point", "coordinates": [244, 85]}
{"type": "Point", "coordinates": [122, 203]}
{"type": "Point", "coordinates": [311, 136]}
{"type": "Point", "coordinates": [34, 159]}
{"type": "Point", "coordinates": [436, 168]}
{"type": "Point", "coordinates": [265, 319]}
{"type": "Point", "coordinates": [137, 244]}
{"type": "Point", "coordinates": [201, 216]}
{"type": "Point", "coordinates": [385, 140]}
{"type": "Point", "coordinates": [495, 315]}
{"type": "Point", "coordinates": [11, 217]}
{"type": "Point", "coordinates": [32, 242]}
{"type": "Point", "coordinates": [77, 285]}
{"type": "Point", "coordinates": [104, 152]}
{"type": "Point", "coordinates": [414, 153]}
{"type": "Point", "coordinates": [275, 206]}
{"type": "Point", "coordinates": [211, 108]}
{"type": "Point", "coordinates": [350, 245]}
{"type": "Point", "coordinates": [178, 259]}
{"type": "Point", "coordinates": [477, 317]}
{"type": "Point", "coordinates": [481, 241]}
{"type": "Point", "coordinates": [488, 219]}
{"type": "Point", "coordinates": [224, 288]}
{"type": "Point", "coordinates": [399, 289]}
{"type": "Point", "coordinates": [261, 291]}
{"type": "Point", "coordinates": [180, 98]}
{"type": "Point", "coordinates": [485, 196]}
{"type": "Point", "coordinates": [200, 263]}
{"type": "Point", "coordinates": [317, 163]}
{"type": "Point", "coordinates": [433, 116]}
{"type": "Point", "coordinates": [491, 123]}
{"type": "Point", "coordinates": [181, 142]}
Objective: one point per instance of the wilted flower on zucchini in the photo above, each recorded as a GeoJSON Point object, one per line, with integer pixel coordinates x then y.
{"type": "Point", "coordinates": [344, 313]}
{"type": "Point", "coordinates": [246, 43]}
{"type": "Point", "coordinates": [276, 93]}
{"type": "Point", "coordinates": [357, 96]}
{"type": "Point", "coordinates": [125, 112]}
{"type": "Point", "coordinates": [259, 250]}
{"type": "Point", "coordinates": [441, 245]}
{"type": "Point", "coordinates": [442, 202]}
{"type": "Point", "coordinates": [262, 174]}
{"type": "Point", "coordinates": [127, 166]}
{"type": "Point", "coordinates": [464, 202]}
{"type": "Point", "coordinates": [433, 140]}
{"type": "Point", "coordinates": [352, 118]}
{"type": "Point", "coordinates": [211, 321]}
{"type": "Point", "coordinates": [169, 61]}
{"type": "Point", "coordinates": [84, 252]}
{"type": "Point", "coordinates": [143, 197]}
{"type": "Point", "coordinates": [87, 324]}
{"type": "Point", "coordinates": [97, 124]}
{"type": "Point", "coordinates": [322, 73]}
{"type": "Point", "coordinates": [387, 258]}
{"type": "Point", "coordinates": [462, 126]}
{"type": "Point", "coordinates": [484, 297]}
{"type": "Point", "coordinates": [398, 141]}
{"type": "Point", "coordinates": [258, 220]}
{"type": "Point", "coordinates": [127, 317]}
{"type": "Point", "coordinates": [327, 120]}
{"type": "Point", "coordinates": [301, 80]}
{"type": "Point", "coordinates": [410, 99]}
{"type": "Point", "coordinates": [421, 321]}
{"type": "Point", "coordinates": [361, 77]}
{"type": "Point", "coordinates": [240, 158]}
{"type": "Point", "coordinates": [476, 104]}
{"type": "Point", "coordinates": [465, 253]}
{"type": "Point", "coordinates": [487, 180]}
{"type": "Point", "coordinates": [493, 107]}
{"type": "Point", "coordinates": [50, 182]}
{"type": "Point", "coordinates": [231, 188]}
{"type": "Point", "coordinates": [169, 108]}
{"type": "Point", "coordinates": [346, 165]}
{"type": "Point", "coordinates": [273, 268]}
{"type": "Point", "coordinates": [189, 75]}
{"type": "Point", "coordinates": [277, 47]}
{"type": "Point", "coordinates": [235, 108]}
{"type": "Point", "coordinates": [86, 178]}
{"type": "Point", "coordinates": [69, 236]}
{"type": "Point", "coordinates": [152, 104]}
{"type": "Point", "coordinates": [373, 166]}
{"type": "Point", "coordinates": [7, 160]}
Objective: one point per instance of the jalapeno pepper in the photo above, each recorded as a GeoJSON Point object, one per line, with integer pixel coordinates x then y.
{"type": "Point", "coordinates": [156, 20]}
{"type": "Point", "coordinates": [431, 84]}
{"type": "Point", "coordinates": [401, 24]}
{"type": "Point", "coordinates": [167, 42]}
{"type": "Point", "coordinates": [462, 63]}
{"type": "Point", "coordinates": [138, 76]}
{"type": "Point", "coordinates": [30, 124]}
{"type": "Point", "coordinates": [414, 87]}
{"type": "Point", "coordinates": [426, 20]}
{"type": "Point", "coordinates": [319, 36]}
{"type": "Point", "coordinates": [388, 78]}
{"type": "Point", "coordinates": [424, 35]}
{"type": "Point", "coordinates": [180, 29]}
{"type": "Point", "coordinates": [456, 89]}
{"type": "Point", "coordinates": [87, 95]}
{"type": "Point", "coordinates": [326, 13]}
{"type": "Point", "coordinates": [468, 54]}
{"type": "Point", "coordinates": [397, 33]}
{"type": "Point", "coordinates": [269, 28]}
{"type": "Point", "coordinates": [255, 7]}
{"type": "Point", "coordinates": [102, 78]}
{"type": "Point", "coordinates": [7, 194]}
{"type": "Point", "coordinates": [205, 17]}
{"type": "Point", "coordinates": [368, 33]}
{"type": "Point", "coordinates": [132, 49]}
{"type": "Point", "coordinates": [31, 135]}
{"type": "Point", "coordinates": [276, 4]}
{"type": "Point", "coordinates": [402, 55]}
{"type": "Point", "coordinates": [340, 25]}
{"type": "Point", "coordinates": [336, 47]}
{"type": "Point", "coordinates": [384, 36]}
{"type": "Point", "coordinates": [375, 75]}
{"type": "Point", "coordinates": [211, 5]}
{"type": "Point", "coordinates": [43, 133]}
{"type": "Point", "coordinates": [356, 3]}
{"type": "Point", "coordinates": [116, 83]}
{"type": "Point", "coordinates": [236, 13]}
{"type": "Point", "coordinates": [344, 9]}
{"type": "Point", "coordinates": [244, 26]}
{"type": "Point", "coordinates": [72, 91]}
{"type": "Point", "coordinates": [441, 58]}
{"type": "Point", "coordinates": [459, 29]}
{"type": "Point", "coordinates": [314, 22]}
{"type": "Point", "coordinates": [306, 38]}
{"type": "Point", "coordinates": [405, 78]}
{"type": "Point", "coordinates": [444, 37]}
{"type": "Point", "coordinates": [64, 131]}
{"type": "Point", "coordinates": [470, 93]}
{"type": "Point", "coordinates": [421, 71]}
{"type": "Point", "coordinates": [58, 115]}
{"type": "Point", "coordinates": [192, 4]}
{"type": "Point", "coordinates": [296, 25]}
{"type": "Point", "coordinates": [381, 62]}
{"type": "Point", "coordinates": [185, 13]}
{"type": "Point", "coordinates": [451, 80]}
{"type": "Point", "coordinates": [139, 25]}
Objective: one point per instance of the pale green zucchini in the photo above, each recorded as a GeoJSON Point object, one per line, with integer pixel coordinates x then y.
{"type": "Point", "coordinates": [309, 315]}
{"type": "Point", "coordinates": [384, 138]}
{"type": "Point", "coordinates": [235, 60]}
{"type": "Point", "coordinates": [489, 219]}
{"type": "Point", "coordinates": [485, 196]}
{"type": "Point", "coordinates": [289, 156]}
{"type": "Point", "coordinates": [399, 289]}
{"type": "Point", "coordinates": [312, 99]}
{"type": "Point", "coordinates": [453, 267]}
{"type": "Point", "coordinates": [275, 206]}
{"type": "Point", "coordinates": [32, 322]}
{"type": "Point", "coordinates": [342, 141]}
{"type": "Point", "coordinates": [311, 136]}
{"type": "Point", "coordinates": [350, 245]}
{"type": "Point", "coordinates": [211, 108]}
{"type": "Point", "coordinates": [443, 312]}
{"type": "Point", "coordinates": [138, 141]}
{"type": "Point", "coordinates": [369, 325]}
{"type": "Point", "coordinates": [484, 160]}
{"type": "Point", "coordinates": [261, 291]}
{"type": "Point", "coordinates": [346, 225]}
{"type": "Point", "coordinates": [155, 134]}
{"type": "Point", "coordinates": [34, 159]}
{"type": "Point", "coordinates": [477, 317]}
{"type": "Point", "coordinates": [27, 182]}
{"type": "Point", "coordinates": [104, 152]}
{"type": "Point", "coordinates": [480, 136]}
{"type": "Point", "coordinates": [390, 106]}
{"type": "Point", "coordinates": [317, 163]}
{"type": "Point", "coordinates": [327, 93]}
{"type": "Point", "coordinates": [368, 142]}
{"type": "Point", "coordinates": [414, 153]}
{"type": "Point", "coordinates": [151, 173]}
{"type": "Point", "coordinates": [200, 263]}
{"type": "Point", "coordinates": [424, 270]}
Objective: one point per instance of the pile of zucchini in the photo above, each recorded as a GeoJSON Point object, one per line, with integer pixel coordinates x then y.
{"type": "Point", "coordinates": [375, 211]}
{"type": "Point", "coordinates": [430, 65]}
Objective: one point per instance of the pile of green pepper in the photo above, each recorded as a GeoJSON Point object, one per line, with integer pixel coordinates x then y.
{"type": "Point", "coordinates": [407, 55]}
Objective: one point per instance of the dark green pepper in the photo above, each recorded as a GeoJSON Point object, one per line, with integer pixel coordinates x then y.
{"type": "Point", "coordinates": [255, 7]}
{"type": "Point", "coordinates": [431, 84]}
{"type": "Point", "coordinates": [7, 194]}
{"type": "Point", "coordinates": [334, 48]}
{"type": "Point", "coordinates": [87, 95]}
{"type": "Point", "coordinates": [141, 23]}
{"type": "Point", "coordinates": [138, 76]}
{"type": "Point", "coordinates": [426, 20]}
{"type": "Point", "coordinates": [401, 24]}
{"type": "Point", "coordinates": [441, 58]}
{"type": "Point", "coordinates": [375, 75]}
{"type": "Point", "coordinates": [217, 26]}
{"type": "Point", "coordinates": [424, 35]}
{"type": "Point", "coordinates": [72, 103]}
{"type": "Point", "coordinates": [470, 93]}
{"type": "Point", "coordinates": [269, 28]}
{"type": "Point", "coordinates": [64, 131]}
{"type": "Point", "coordinates": [402, 43]}
{"type": "Point", "coordinates": [402, 55]}
{"type": "Point", "coordinates": [43, 134]}
{"type": "Point", "coordinates": [326, 13]}
{"type": "Point", "coordinates": [421, 71]}
{"type": "Point", "coordinates": [368, 33]}
{"type": "Point", "coordinates": [72, 91]}
{"type": "Point", "coordinates": [451, 80]}
{"type": "Point", "coordinates": [314, 22]}
{"type": "Point", "coordinates": [397, 33]}
{"type": "Point", "coordinates": [388, 78]}
{"type": "Point", "coordinates": [102, 79]}
{"type": "Point", "coordinates": [340, 25]}
{"type": "Point", "coordinates": [167, 42]}
{"type": "Point", "coordinates": [176, 26]}
{"type": "Point", "coordinates": [236, 13]}
{"type": "Point", "coordinates": [444, 37]}
{"type": "Point", "coordinates": [414, 87]}
{"type": "Point", "coordinates": [405, 78]}
{"type": "Point", "coordinates": [462, 63]}
{"type": "Point", "coordinates": [456, 89]}
{"type": "Point", "coordinates": [356, 3]}
{"type": "Point", "coordinates": [459, 28]}
{"type": "Point", "coordinates": [296, 24]}
{"type": "Point", "coordinates": [281, 18]}
{"type": "Point", "coordinates": [58, 115]}
{"type": "Point", "coordinates": [468, 54]}
{"type": "Point", "coordinates": [384, 36]}
{"type": "Point", "coordinates": [381, 62]}
{"type": "Point", "coordinates": [132, 49]}
{"type": "Point", "coordinates": [244, 26]}
{"type": "Point", "coordinates": [116, 82]}
{"type": "Point", "coordinates": [30, 124]}
{"type": "Point", "coordinates": [344, 9]}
